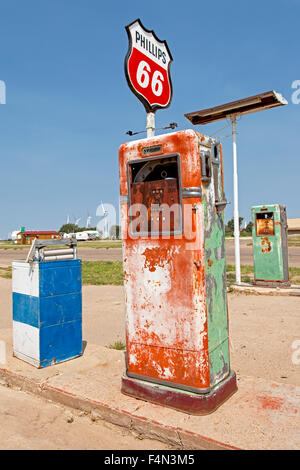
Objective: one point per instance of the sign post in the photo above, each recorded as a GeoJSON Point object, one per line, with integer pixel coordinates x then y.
{"type": "Point", "coordinates": [236, 206]}
{"type": "Point", "coordinates": [147, 70]}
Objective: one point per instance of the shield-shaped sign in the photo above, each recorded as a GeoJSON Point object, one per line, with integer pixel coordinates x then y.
{"type": "Point", "coordinates": [147, 67]}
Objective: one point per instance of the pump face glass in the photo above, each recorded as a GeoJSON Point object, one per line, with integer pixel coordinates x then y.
{"type": "Point", "coordinates": [155, 202]}
{"type": "Point", "coordinates": [265, 224]}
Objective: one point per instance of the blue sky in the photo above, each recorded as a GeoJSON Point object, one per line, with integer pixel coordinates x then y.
{"type": "Point", "coordinates": [68, 105]}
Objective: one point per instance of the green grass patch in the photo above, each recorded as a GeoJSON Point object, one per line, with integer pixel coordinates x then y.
{"type": "Point", "coordinates": [119, 345]}
{"type": "Point", "coordinates": [294, 275]}
{"type": "Point", "coordinates": [111, 272]}
{"type": "Point", "coordinates": [6, 272]}
{"type": "Point", "coordinates": [8, 245]}
{"type": "Point", "coordinates": [100, 273]}
{"type": "Point", "coordinates": [12, 246]}
{"type": "Point", "coordinates": [245, 269]}
{"type": "Point", "coordinates": [95, 273]}
{"type": "Point", "coordinates": [247, 273]}
{"type": "Point", "coordinates": [100, 244]}
{"type": "Point", "coordinates": [294, 241]}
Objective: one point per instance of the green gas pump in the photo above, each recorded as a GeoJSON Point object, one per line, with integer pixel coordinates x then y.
{"type": "Point", "coordinates": [270, 245]}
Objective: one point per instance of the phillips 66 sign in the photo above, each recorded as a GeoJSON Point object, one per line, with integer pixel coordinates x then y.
{"type": "Point", "coordinates": [147, 67]}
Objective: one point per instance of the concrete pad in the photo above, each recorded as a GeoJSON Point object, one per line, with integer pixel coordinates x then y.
{"type": "Point", "coordinates": [260, 415]}
{"type": "Point", "coordinates": [248, 288]}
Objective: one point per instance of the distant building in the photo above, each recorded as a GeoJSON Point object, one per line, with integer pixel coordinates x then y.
{"type": "Point", "coordinates": [26, 238]}
{"type": "Point", "coordinates": [293, 226]}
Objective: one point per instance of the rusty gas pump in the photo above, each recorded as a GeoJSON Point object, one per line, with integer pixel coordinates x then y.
{"type": "Point", "coordinates": [270, 245]}
{"type": "Point", "coordinates": [172, 204]}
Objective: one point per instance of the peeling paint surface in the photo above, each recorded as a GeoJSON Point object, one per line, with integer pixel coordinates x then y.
{"type": "Point", "coordinates": [215, 272]}
{"type": "Point", "coordinates": [170, 290]}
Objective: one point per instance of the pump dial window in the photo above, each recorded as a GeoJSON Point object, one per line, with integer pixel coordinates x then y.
{"type": "Point", "coordinates": [154, 184]}
{"type": "Point", "coordinates": [265, 224]}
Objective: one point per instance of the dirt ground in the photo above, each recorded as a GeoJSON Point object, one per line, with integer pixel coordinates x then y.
{"type": "Point", "coordinates": [115, 254]}
{"type": "Point", "coordinates": [29, 422]}
{"type": "Point", "coordinates": [262, 328]}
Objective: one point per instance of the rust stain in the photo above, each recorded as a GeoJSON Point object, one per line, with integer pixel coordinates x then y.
{"type": "Point", "coordinates": [156, 257]}
{"type": "Point", "coordinates": [270, 403]}
{"type": "Point", "coordinates": [266, 245]}
{"type": "Point", "coordinates": [155, 195]}
{"type": "Point", "coordinates": [210, 262]}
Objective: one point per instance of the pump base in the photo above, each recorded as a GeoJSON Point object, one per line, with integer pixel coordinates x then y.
{"type": "Point", "coordinates": [187, 402]}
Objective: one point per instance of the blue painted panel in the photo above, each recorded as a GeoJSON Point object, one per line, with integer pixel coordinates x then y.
{"type": "Point", "coordinates": [26, 309]}
{"type": "Point", "coordinates": [60, 308]}
{"type": "Point", "coordinates": [60, 277]}
{"type": "Point", "coordinates": [60, 342]}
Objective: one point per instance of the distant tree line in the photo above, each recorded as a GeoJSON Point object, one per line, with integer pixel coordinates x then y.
{"type": "Point", "coordinates": [73, 228]}
{"type": "Point", "coordinates": [114, 231]}
{"type": "Point", "coordinates": [229, 228]}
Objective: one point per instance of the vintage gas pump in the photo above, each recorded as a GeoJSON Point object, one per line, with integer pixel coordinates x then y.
{"type": "Point", "coordinates": [270, 247]}
{"type": "Point", "coordinates": [47, 303]}
{"type": "Point", "coordinates": [172, 204]}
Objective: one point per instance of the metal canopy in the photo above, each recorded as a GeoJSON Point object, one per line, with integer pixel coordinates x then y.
{"type": "Point", "coordinates": [252, 104]}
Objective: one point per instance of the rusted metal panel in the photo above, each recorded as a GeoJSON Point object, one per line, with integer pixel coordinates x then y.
{"type": "Point", "coordinates": [175, 292]}
{"type": "Point", "coordinates": [267, 100]}
{"type": "Point", "coordinates": [270, 250]}
{"type": "Point", "coordinates": [215, 273]}
{"type": "Point", "coordinates": [264, 227]}
{"type": "Point", "coordinates": [157, 196]}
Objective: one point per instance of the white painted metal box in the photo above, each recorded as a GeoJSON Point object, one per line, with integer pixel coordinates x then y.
{"type": "Point", "coordinates": [47, 311]}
